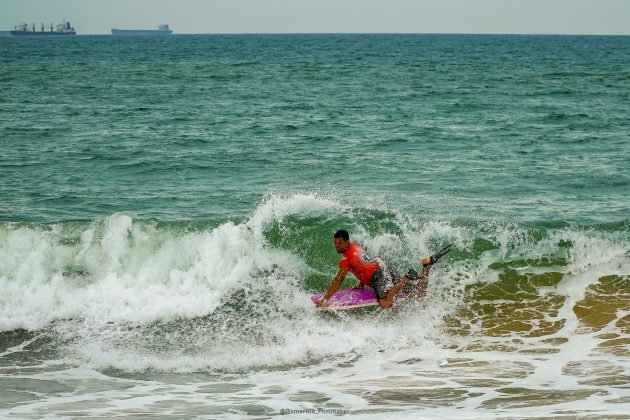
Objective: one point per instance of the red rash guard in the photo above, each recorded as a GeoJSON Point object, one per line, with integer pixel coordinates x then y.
{"type": "Point", "coordinates": [359, 263]}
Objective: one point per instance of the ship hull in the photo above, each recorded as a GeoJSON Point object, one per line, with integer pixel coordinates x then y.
{"type": "Point", "coordinates": [140, 32]}
{"type": "Point", "coordinates": [31, 33]}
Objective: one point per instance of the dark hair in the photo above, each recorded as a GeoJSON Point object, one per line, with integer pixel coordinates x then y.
{"type": "Point", "coordinates": [343, 234]}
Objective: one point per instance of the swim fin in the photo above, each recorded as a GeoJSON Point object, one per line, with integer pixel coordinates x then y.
{"type": "Point", "coordinates": [435, 257]}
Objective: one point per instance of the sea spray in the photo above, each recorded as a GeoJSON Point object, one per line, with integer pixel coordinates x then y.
{"type": "Point", "coordinates": [141, 294]}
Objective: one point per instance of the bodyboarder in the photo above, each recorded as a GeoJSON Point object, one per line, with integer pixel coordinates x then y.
{"type": "Point", "coordinates": [369, 272]}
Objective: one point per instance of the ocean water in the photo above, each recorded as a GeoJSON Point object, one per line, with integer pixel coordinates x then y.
{"type": "Point", "coordinates": [167, 209]}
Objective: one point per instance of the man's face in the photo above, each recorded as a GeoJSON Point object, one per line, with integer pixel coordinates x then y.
{"type": "Point", "coordinates": [340, 245]}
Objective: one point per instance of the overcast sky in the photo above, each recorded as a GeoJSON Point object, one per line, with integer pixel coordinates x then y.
{"type": "Point", "coordinates": [322, 16]}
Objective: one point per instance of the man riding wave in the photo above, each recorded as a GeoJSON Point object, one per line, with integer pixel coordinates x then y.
{"type": "Point", "coordinates": [369, 272]}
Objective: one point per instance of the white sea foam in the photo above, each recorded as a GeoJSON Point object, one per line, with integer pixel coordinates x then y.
{"type": "Point", "coordinates": [127, 294]}
{"type": "Point", "coordinates": [120, 270]}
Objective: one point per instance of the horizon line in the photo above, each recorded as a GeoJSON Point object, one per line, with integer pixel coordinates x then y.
{"type": "Point", "coordinates": [369, 33]}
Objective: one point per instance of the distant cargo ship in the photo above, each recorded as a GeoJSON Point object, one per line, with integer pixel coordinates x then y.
{"type": "Point", "coordinates": [64, 28]}
{"type": "Point", "coordinates": [162, 30]}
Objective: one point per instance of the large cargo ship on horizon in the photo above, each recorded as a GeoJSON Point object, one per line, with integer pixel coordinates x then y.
{"type": "Point", "coordinates": [162, 30]}
{"type": "Point", "coordinates": [64, 28]}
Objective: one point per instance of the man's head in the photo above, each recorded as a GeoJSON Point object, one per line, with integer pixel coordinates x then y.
{"type": "Point", "coordinates": [341, 239]}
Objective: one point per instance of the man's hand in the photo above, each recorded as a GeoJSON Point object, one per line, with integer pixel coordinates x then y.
{"type": "Point", "coordinates": [322, 303]}
{"type": "Point", "coordinates": [334, 286]}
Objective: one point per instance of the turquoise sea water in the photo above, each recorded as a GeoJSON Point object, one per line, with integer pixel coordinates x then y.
{"type": "Point", "coordinates": [167, 206]}
{"type": "Point", "coordinates": [195, 127]}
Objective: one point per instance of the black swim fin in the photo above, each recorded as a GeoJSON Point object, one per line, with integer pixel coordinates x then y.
{"type": "Point", "coordinates": [435, 257]}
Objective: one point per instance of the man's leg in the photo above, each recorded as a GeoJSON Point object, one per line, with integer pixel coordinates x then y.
{"type": "Point", "coordinates": [419, 291]}
{"type": "Point", "coordinates": [392, 293]}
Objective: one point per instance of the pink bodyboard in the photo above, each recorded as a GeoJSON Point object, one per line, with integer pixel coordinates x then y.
{"type": "Point", "coordinates": [348, 299]}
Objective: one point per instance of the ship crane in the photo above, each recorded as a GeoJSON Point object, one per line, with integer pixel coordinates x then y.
{"type": "Point", "coordinates": [65, 28]}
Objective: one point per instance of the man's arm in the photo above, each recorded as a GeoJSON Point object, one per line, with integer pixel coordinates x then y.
{"type": "Point", "coordinates": [334, 286]}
